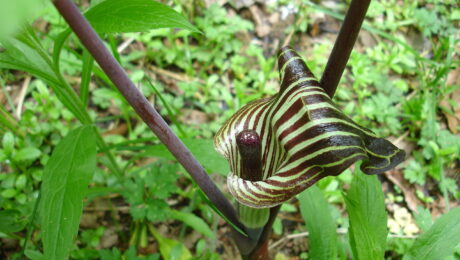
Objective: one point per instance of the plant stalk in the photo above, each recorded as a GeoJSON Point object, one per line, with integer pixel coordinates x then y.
{"type": "Point", "coordinates": [254, 247]}
{"type": "Point", "coordinates": [143, 108]}
{"type": "Point", "coordinates": [344, 45]}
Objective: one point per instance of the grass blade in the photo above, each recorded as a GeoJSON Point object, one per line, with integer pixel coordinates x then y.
{"type": "Point", "coordinates": [87, 68]}
{"type": "Point", "coordinates": [194, 222]}
{"type": "Point", "coordinates": [8, 123]}
{"type": "Point", "coordinates": [213, 207]}
{"type": "Point", "coordinates": [440, 240]}
{"type": "Point", "coordinates": [171, 114]}
{"type": "Point", "coordinates": [65, 182]}
{"type": "Point", "coordinates": [320, 225]}
{"type": "Point", "coordinates": [368, 218]}
{"type": "Point", "coordinates": [58, 45]}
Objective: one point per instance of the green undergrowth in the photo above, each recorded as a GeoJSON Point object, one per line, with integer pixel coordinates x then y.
{"type": "Point", "coordinates": [141, 204]}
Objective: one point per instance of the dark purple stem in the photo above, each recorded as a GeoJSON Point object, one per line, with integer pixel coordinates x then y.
{"type": "Point", "coordinates": [118, 76]}
{"type": "Point", "coordinates": [344, 45]}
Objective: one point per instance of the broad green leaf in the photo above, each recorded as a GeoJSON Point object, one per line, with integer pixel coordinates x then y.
{"type": "Point", "coordinates": [320, 225]}
{"type": "Point", "coordinates": [27, 154]}
{"type": "Point", "coordinates": [65, 183]}
{"type": "Point", "coordinates": [14, 13]}
{"type": "Point", "coordinates": [202, 149]}
{"type": "Point", "coordinates": [440, 240]}
{"type": "Point", "coordinates": [116, 16]}
{"type": "Point", "coordinates": [170, 247]}
{"type": "Point", "coordinates": [11, 221]}
{"type": "Point", "coordinates": [194, 222]}
{"type": "Point", "coordinates": [9, 193]}
{"type": "Point", "coordinates": [368, 218]}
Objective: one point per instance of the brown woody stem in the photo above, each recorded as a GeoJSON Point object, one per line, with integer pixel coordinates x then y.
{"type": "Point", "coordinates": [344, 45]}
{"type": "Point", "coordinates": [136, 99]}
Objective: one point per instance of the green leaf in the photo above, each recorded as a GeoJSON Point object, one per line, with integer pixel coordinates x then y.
{"type": "Point", "coordinates": [107, 254]}
{"type": "Point", "coordinates": [115, 16]}
{"type": "Point", "coordinates": [58, 45]}
{"type": "Point", "coordinates": [20, 55]}
{"type": "Point", "coordinates": [87, 68]}
{"type": "Point", "coordinates": [14, 13]}
{"type": "Point", "coordinates": [27, 154]}
{"type": "Point", "coordinates": [171, 114]}
{"type": "Point", "coordinates": [440, 240]}
{"type": "Point", "coordinates": [11, 221]}
{"type": "Point", "coordinates": [202, 149]}
{"type": "Point", "coordinates": [320, 225]}
{"type": "Point", "coordinates": [423, 218]}
{"type": "Point", "coordinates": [368, 218]}
{"type": "Point", "coordinates": [33, 255]}
{"type": "Point", "coordinates": [194, 222]}
{"type": "Point", "coordinates": [170, 247]}
{"type": "Point", "coordinates": [65, 183]}
{"type": "Point", "coordinates": [9, 193]}
{"type": "Point", "coordinates": [8, 142]}
{"type": "Point", "coordinates": [213, 207]}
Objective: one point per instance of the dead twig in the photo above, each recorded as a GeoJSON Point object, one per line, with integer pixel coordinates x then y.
{"type": "Point", "coordinates": [340, 231]}
{"type": "Point", "coordinates": [21, 97]}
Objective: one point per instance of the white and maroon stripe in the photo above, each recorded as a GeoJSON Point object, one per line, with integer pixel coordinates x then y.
{"type": "Point", "coordinates": [304, 138]}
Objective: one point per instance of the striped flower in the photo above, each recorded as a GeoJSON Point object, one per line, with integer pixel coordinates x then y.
{"type": "Point", "coordinates": [304, 137]}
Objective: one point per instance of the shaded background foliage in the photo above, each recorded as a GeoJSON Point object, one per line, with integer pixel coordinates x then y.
{"type": "Point", "coordinates": [402, 81]}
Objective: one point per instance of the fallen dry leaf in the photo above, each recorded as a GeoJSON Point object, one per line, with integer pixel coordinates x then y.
{"type": "Point", "coordinates": [193, 117]}
{"type": "Point", "coordinates": [451, 102]}
{"type": "Point", "coordinates": [120, 129]}
{"type": "Point", "coordinates": [110, 238]}
{"type": "Point", "coordinates": [262, 26]}
{"type": "Point", "coordinates": [410, 197]}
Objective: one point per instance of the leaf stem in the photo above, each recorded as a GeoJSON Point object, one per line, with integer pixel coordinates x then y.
{"type": "Point", "coordinates": [136, 99]}
{"type": "Point", "coordinates": [344, 45]}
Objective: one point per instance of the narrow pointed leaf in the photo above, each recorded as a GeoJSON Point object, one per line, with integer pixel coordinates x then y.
{"type": "Point", "coordinates": [20, 55]}
{"type": "Point", "coordinates": [322, 238]}
{"type": "Point", "coordinates": [87, 68]}
{"type": "Point", "coordinates": [65, 183]}
{"type": "Point", "coordinates": [58, 45]}
{"type": "Point", "coordinates": [216, 210]}
{"type": "Point", "coordinates": [115, 16]}
{"type": "Point", "coordinates": [440, 240]}
{"type": "Point", "coordinates": [194, 222]}
{"type": "Point", "coordinates": [368, 218]}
